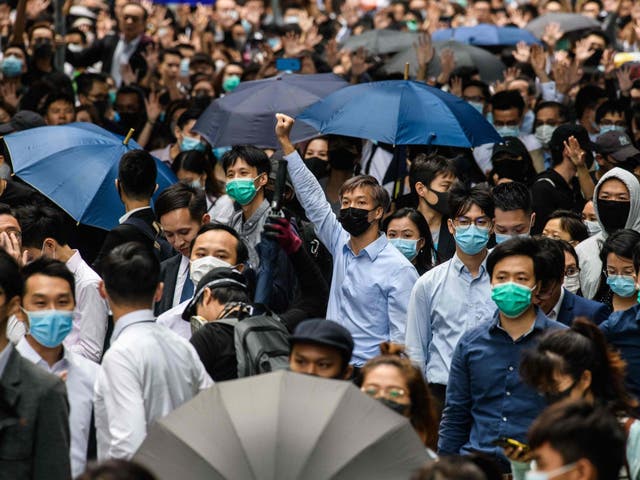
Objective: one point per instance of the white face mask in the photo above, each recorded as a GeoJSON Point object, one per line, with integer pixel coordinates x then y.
{"type": "Point", "coordinates": [201, 266]}
{"type": "Point", "coordinates": [544, 132]}
{"type": "Point", "coordinates": [593, 227]}
{"type": "Point", "coordinates": [536, 475]}
{"type": "Point", "coordinates": [572, 283]}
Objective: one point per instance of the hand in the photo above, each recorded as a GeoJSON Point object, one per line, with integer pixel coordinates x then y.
{"type": "Point", "coordinates": [510, 74]}
{"type": "Point", "coordinates": [424, 49]}
{"type": "Point", "coordinates": [312, 38]}
{"type": "Point", "coordinates": [539, 62]}
{"type": "Point", "coordinates": [36, 7]}
{"type": "Point", "coordinates": [9, 93]}
{"type": "Point", "coordinates": [522, 53]}
{"type": "Point", "coordinates": [517, 454]}
{"type": "Point", "coordinates": [280, 230]}
{"type": "Point", "coordinates": [624, 79]}
{"type": "Point", "coordinates": [292, 45]}
{"type": "Point", "coordinates": [607, 62]}
{"type": "Point", "coordinates": [561, 76]}
{"type": "Point", "coordinates": [283, 126]}
{"type": "Point", "coordinates": [10, 243]}
{"type": "Point", "coordinates": [583, 50]}
{"type": "Point", "coordinates": [153, 107]}
{"type": "Point", "coordinates": [359, 63]}
{"type": "Point", "coordinates": [150, 55]}
{"type": "Point", "coordinates": [200, 19]}
{"type": "Point", "coordinates": [574, 152]}
{"type": "Point", "coordinates": [456, 86]}
{"type": "Point", "coordinates": [552, 33]}
{"type": "Point", "coordinates": [128, 75]}
{"type": "Point", "coordinates": [447, 61]}
{"type": "Point", "coordinates": [517, 18]}
{"type": "Point", "coordinates": [331, 52]}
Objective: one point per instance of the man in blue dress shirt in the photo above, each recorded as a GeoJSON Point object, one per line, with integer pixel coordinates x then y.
{"type": "Point", "coordinates": [372, 280]}
{"type": "Point", "coordinates": [486, 399]}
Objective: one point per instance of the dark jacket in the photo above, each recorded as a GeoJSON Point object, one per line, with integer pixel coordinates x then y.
{"type": "Point", "coordinates": [34, 423]}
{"type": "Point", "coordinates": [574, 306]}
{"type": "Point", "coordinates": [169, 276]}
{"type": "Point", "coordinates": [551, 192]}
{"type": "Point", "coordinates": [446, 242]}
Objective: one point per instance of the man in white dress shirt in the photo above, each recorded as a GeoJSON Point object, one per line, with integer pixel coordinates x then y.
{"type": "Point", "coordinates": [48, 303]}
{"type": "Point", "coordinates": [45, 233]}
{"type": "Point", "coordinates": [149, 370]}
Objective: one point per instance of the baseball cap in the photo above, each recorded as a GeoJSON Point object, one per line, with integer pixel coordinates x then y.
{"type": "Point", "coordinates": [511, 146]}
{"type": "Point", "coordinates": [616, 144]}
{"type": "Point", "coordinates": [324, 332]}
{"type": "Point", "coordinates": [216, 278]}
{"type": "Point", "coordinates": [23, 120]}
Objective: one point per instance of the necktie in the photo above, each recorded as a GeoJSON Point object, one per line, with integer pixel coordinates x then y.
{"type": "Point", "coordinates": [187, 290]}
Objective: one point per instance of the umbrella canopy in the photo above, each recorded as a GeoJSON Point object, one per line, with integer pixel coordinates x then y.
{"type": "Point", "coordinates": [489, 66]}
{"type": "Point", "coordinates": [247, 115]}
{"type": "Point", "coordinates": [569, 22]}
{"type": "Point", "coordinates": [381, 42]}
{"type": "Point", "coordinates": [400, 112]}
{"type": "Point", "coordinates": [75, 166]}
{"type": "Point", "coordinates": [486, 35]}
{"type": "Point", "coordinates": [282, 426]}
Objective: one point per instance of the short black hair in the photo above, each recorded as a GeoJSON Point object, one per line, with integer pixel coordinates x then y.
{"type": "Point", "coordinates": [137, 173]}
{"type": "Point", "coordinates": [228, 294]}
{"type": "Point", "coordinates": [512, 196]}
{"type": "Point", "coordinates": [40, 222]}
{"type": "Point", "coordinates": [508, 99]}
{"type": "Point", "coordinates": [588, 97]}
{"type": "Point", "coordinates": [133, 90]}
{"type": "Point", "coordinates": [253, 156]}
{"type": "Point", "coordinates": [551, 260]}
{"type": "Point", "coordinates": [57, 97]}
{"type": "Point", "coordinates": [621, 243]}
{"type": "Point", "coordinates": [10, 279]}
{"type": "Point", "coordinates": [187, 116]}
{"type": "Point", "coordinates": [612, 106]}
{"type": "Point", "coordinates": [131, 273]}
{"type": "Point", "coordinates": [168, 51]}
{"type": "Point", "coordinates": [242, 252]}
{"type": "Point", "coordinates": [567, 247]}
{"type": "Point", "coordinates": [181, 195]}
{"type": "Point", "coordinates": [462, 197]}
{"type": "Point", "coordinates": [85, 81]}
{"type": "Point", "coordinates": [486, 93]}
{"type": "Point", "coordinates": [524, 246]}
{"type": "Point", "coordinates": [425, 169]}
{"type": "Point", "coordinates": [50, 268]}
{"type": "Point", "coordinates": [579, 430]}
{"type": "Point", "coordinates": [571, 222]}
{"type": "Point", "coordinates": [562, 110]}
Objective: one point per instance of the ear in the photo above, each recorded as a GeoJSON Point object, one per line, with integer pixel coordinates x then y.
{"type": "Point", "coordinates": [420, 188]}
{"type": "Point", "coordinates": [177, 133]}
{"type": "Point", "coordinates": [585, 469]}
{"type": "Point", "coordinates": [50, 243]}
{"type": "Point", "coordinates": [102, 290]}
{"type": "Point", "coordinates": [452, 229]}
{"type": "Point", "coordinates": [13, 308]}
{"type": "Point", "coordinates": [158, 295]}
{"type": "Point", "coordinates": [586, 379]}
{"type": "Point", "coordinates": [348, 373]}
{"type": "Point", "coordinates": [155, 189]}
{"type": "Point", "coordinates": [206, 218]}
{"type": "Point", "coordinates": [533, 221]}
{"type": "Point", "coordinates": [117, 184]}
{"type": "Point", "coordinates": [421, 243]}
{"type": "Point", "coordinates": [263, 179]}
{"type": "Point", "coordinates": [240, 267]}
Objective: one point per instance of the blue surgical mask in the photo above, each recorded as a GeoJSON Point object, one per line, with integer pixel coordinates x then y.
{"type": "Point", "coordinates": [409, 248]}
{"type": "Point", "coordinates": [472, 239]}
{"type": "Point", "coordinates": [191, 143]}
{"type": "Point", "coordinates": [12, 66]}
{"type": "Point", "coordinates": [508, 131]}
{"type": "Point", "coordinates": [479, 106]}
{"type": "Point", "coordinates": [622, 285]}
{"type": "Point", "coordinates": [50, 327]}
{"type": "Point", "coordinates": [610, 128]}
{"type": "Point", "coordinates": [218, 152]}
{"type": "Point", "coordinates": [503, 237]}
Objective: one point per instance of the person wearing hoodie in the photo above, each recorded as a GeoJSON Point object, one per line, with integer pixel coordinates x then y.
{"type": "Point", "coordinates": [617, 206]}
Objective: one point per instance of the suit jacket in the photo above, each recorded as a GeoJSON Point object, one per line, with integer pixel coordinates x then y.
{"type": "Point", "coordinates": [574, 306]}
{"type": "Point", "coordinates": [34, 423]}
{"type": "Point", "coordinates": [102, 51]}
{"type": "Point", "coordinates": [169, 276]}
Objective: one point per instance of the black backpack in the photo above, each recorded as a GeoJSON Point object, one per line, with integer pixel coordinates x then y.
{"type": "Point", "coordinates": [161, 247]}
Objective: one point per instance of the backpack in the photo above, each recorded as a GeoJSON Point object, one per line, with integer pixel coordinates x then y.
{"type": "Point", "coordinates": [162, 249]}
{"type": "Point", "coordinates": [261, 342]}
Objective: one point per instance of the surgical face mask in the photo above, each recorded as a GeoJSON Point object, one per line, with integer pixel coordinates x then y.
{"type": "Point", "coordinates": [479, 106]}
{"type": "Point", "coordinates": [511, 298]}
{"type": "Point", "coordinates": [399, 408]}
{"type": "Point", "coordinates": [354, 220]}
{"type": "Point", "coordinates": [544, 132]}
{"type": "Point", "coordinates": [508, 131]}
{"type": "Point", "coordinates": [230, 83]}
{"type": "Point", "coordinates": [74, 47]}
{"type": "Point", "coordinates": [197, 184]}
{"type": "Point", "coordinates": [593, 227]}
{"type": "Point", "coordinates": [184, 67]}
{"type": "Point", "coordinates": [610, 128]}
{"type": "Point", "coordinates": [572, 282]}
{"type": "Point", "coordinates": [220, 64]}
{"type": "Point", "coordinates": [199, 267]}
{"type": "Point", "coordinates": [503, 237]}
{"type": "Point", "coordinates": [242, 190]}
{"type": "Point", "coordinates": [622, 285]}
{"type": "Point", "coordinates": [317, 166]}
{"type": "Point", "coordinates": [291, 20]}
{"type": "Point", "coordinates": [536, 475]}
{"type": "Point", "coordinates": [274, 43]}
{"type": "Point", "coordinates": [613, 215]}
{"type": "Point", "coordinates": [191, 143]}
{"type": "Point", "coordinates": [472, 239]}
{"type": "Point", "coordinates": [409, 248]}
{"type": "Point", "coordinates": [12, 66]}
{"type": "Point", "coordinates": [50, 327]}
{"type": "Point", "coordinates": [442, 204]}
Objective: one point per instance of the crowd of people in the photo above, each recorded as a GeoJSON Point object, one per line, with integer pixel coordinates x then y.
{"type": "Point", "coordinates": [493, 300]}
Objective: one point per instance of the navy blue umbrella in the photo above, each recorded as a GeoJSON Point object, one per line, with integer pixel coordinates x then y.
{"type": "Point", "coordinates": [400, 112]}
{"type": "Point", "coordinates": [76, 166]}
{"type": "Point", "coordinates": [247, 115]}
{"type": "Point", "coordinates": [486, 35]}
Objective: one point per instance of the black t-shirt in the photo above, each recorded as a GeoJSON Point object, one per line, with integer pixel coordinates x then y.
{"type": "Point", "coordinates": [214, 343]}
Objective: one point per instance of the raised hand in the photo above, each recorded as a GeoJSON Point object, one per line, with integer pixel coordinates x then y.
{"type": "Point", "coordinates": [424, 49]}
{"type": "Point", "coordinates": [552, 33]}
{"type": "Point", "coordinates": [624, 79]}
{"type": "Point", "coordinates": [574, 152]}
{"type": "Point", "coordinates": [522, 53]}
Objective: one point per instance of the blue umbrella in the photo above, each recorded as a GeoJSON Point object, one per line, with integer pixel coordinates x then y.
{"type": "Point", "coordinates": [247, 115]}
{"type": "Point", "coordinates": [75, 166]}
{"type": "Point", "coordinates": [400, 112]}
{"type": "Point", "coordinates": [486, 35]}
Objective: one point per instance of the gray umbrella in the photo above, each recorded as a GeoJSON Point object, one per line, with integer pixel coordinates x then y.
{"type": "Point", "coordinates": [569, 22]}
{"type": "Point", "coordinates": [489, 66]}
{"type": "Point", "coordinates": [381, 42]}
{"type": "Point", "coordinates": [282, 426]}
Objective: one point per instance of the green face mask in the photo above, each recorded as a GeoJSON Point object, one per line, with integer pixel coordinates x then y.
{"type": "Point", "coordinates": [242, 190]}
{"type": "Point", "coordinates": [511, 298]}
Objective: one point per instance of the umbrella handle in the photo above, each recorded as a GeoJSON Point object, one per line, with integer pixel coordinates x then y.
{"type": "Point", "coordinates": [128, 137]}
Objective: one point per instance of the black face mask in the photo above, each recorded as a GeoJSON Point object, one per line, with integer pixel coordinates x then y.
{"type": "Point", "coordinates": [43, 48]}
{"type": "Point", "coordinates": [319, 167]}
{"type": "Point", "coordinates": [554, 397]}
{"type": "Point", "coordinates": [341, 159]}
{"type": "Point", "coordinates": [101, 107]}
{"type": "Point", "coordinates": [395, 406]}
{"type": "Point", "coordinates": [442, 205]}
{"type": "Point", "coordinates": [130, 120]}
{"type": "Point", "coordinates": [613, 215]}
{"type": "Point", "coordinates": [354, 220]}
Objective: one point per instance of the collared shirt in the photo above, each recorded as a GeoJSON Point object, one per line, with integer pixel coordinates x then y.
{"type": "Point", "coordinates": [4, 357]}
{"type": "Point", "coordinates": [147, 372]}
{"type": "Point", "coordinates": [445, 302]}
{"type": "Point", "coordinates": [121, 56]}
{"type": "Point", "coordinates": [251, 229]}
{"type": "Point", "coordinates": [369, 291]}
{"type": "Point", "coordinates": [164, 154]}
{"type": "Point", "coordinates": [622, 330]}
{"type": "Point", "coordinates": [172, 319]}
{"type": "Point", "coordinates": [126, 216]}
{"type": "Point", "coordinates": [553, 314]}
{"type": "Point", "coordinates": [81, 377]}
{"type": "Point", "coordinates": [486, 399]}
{"type": "Point", "coordinates": [90, 316]}
{"type": "Point", "coordinates": [183, 273]}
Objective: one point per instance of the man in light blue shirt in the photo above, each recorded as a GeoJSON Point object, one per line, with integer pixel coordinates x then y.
{"type": "Point", "coordinates": [372, 280]}
{"type": "Point", "coordinates": [454, 296]}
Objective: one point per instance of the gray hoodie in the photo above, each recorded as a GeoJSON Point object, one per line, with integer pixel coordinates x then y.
{"type": "Point", "coordinates": [589, 250]}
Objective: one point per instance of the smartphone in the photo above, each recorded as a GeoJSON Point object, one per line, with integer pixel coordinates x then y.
{"type": "Point", "coordinates": [505, 442]}
{"type": "Point", "coordinates": [288, 64]}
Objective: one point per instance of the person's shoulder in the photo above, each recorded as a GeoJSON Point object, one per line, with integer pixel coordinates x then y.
{"type": "Point", "coordinates": [590, 246]}
{"type": "Point", "coordinates": [477, 334]}
{"type": "Point", "coordinates": [585, 303]}
{"type": "Point", "coordinates": [530, 141]}
{"type": "Point", "coordinates": [435, 273]}
{"type": "Point", "coordinates": [87, 368]}
{"type": "Point", "coordinates": [35, 378]}
{"type": "Point", "coordinates": [171, 261]}
{"type": "Point", "coordinates": [622, 321]}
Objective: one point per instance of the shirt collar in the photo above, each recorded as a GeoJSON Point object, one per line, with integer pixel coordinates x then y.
{"type": "Point", "coordinates": [4, 357]}
{"type": "Point", "coordinates": [374, 248]}
{"type": "Point", "coordinates": [74, 262]}
{"type": "Point", "coordinates": [553, 314]}
{"type": "Point", "coordinates": [129, 319]}
{"type": "Point", "coordinates": [260, 211]}
{"type": "Point", "coordinates": [132, 43]}
{"type": "Point", "coordinates": [28, 352]}
{"type": "Point", "coordinates": [539, 324]}
{"type": "Point", "coordinates": [459, 266]}
{"type": "Point", "coordinates": [126, 216]}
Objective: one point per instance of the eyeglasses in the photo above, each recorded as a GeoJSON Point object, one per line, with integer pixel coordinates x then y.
{"type": "Point", "coordinates": [465, 222]}
{"type": "Point", "coordinates": [571, 271]}
{"type": "Point", "coordinates": [387, 392]}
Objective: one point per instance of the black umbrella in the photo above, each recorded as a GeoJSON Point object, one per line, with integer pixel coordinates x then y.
{"type": "Point", "coordinates": [381, 42]}
{"type": "Point", "coordinates": [282, 426]}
